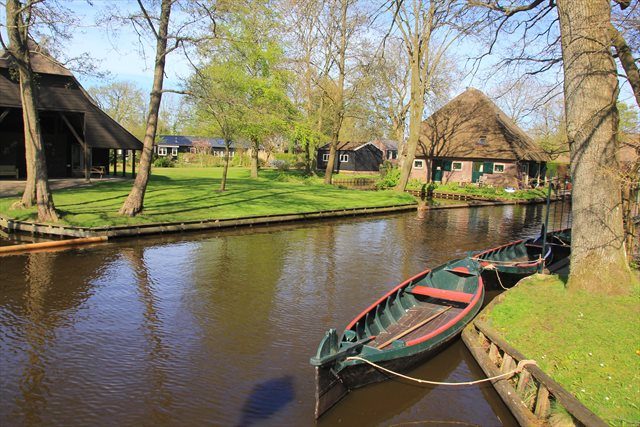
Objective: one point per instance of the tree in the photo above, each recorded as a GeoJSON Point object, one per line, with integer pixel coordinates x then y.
{"type": "Point", "coordinates": [428, 31]}
{"type": "Point", "coordinates": [20, 18]}
{"type": "Point", "coordinates": [124, 102]}
{"type": "Point", "coordinates": [339, 14]}
{"type": "Point", "coordinates": [146, 23]}
{"type": "Point", "coordinates": [590, 93]}
{"type": "Point", "coordinates": [249, 40]}
{"type": "Point", "coordinates": [217, 91]}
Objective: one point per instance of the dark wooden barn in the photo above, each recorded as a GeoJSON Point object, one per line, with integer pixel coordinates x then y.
{"type": "Point", "coordinates": [79, 138]}
{"type": "Point", "coordinates": [352, 157]}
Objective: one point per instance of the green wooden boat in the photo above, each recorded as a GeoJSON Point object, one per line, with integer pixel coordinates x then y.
{"type": "Point", "coordinates": [508, 264]}
{"type": "Point", "coordinates": [402, 329]}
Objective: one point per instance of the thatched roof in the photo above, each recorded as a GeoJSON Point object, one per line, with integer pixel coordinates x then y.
{"type": "Point", "coordinates": [59, 91]}
{"type": "Point", "coordinates": [472, 126]}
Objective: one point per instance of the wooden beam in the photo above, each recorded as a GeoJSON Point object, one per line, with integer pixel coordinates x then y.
{"type": "Point", "coordinates": [83, 144]}
{"type": "Point", "coordinates": [4, 114]}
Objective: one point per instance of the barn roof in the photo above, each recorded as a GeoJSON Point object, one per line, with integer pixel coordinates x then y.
{"type": "Point", "coordinates": [472, 126]}
{"type": "Point", "coordinates": [187, 141]}
{"type": "Point", "coordinates": [59, 91]}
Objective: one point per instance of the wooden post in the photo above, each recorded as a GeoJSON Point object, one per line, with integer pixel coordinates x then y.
{"type": "Point", "coordinates": [542, 402]}
{"type": "Point", "coordinates": [133, 164]}
{"type": "Point", "coordinates": [124, 162]}
{"type": "Point", "coordinates": [115, 161]}
{"type": "Point", "coordinates": [83, 144]}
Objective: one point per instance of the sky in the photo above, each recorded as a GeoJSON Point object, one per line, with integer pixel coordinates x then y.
{"type": "Point", "coordinates": [123, 57]}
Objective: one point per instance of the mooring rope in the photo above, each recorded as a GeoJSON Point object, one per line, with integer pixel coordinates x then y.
{"type": "Point", "coordinates": [493, 268]}
{"type": "Point", "coordinates": [517, 370]}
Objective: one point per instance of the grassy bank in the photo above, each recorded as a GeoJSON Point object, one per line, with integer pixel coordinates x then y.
{"type": "Point", "coordinates": [183, 194]}
{"type": "Point", "coordinates": [492, 193]}
{"type": "Point", "coordinates": [589, 344]}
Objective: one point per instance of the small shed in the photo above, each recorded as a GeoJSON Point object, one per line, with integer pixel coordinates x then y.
{"type": "Point", "coordinates": [470, 140]}
{"type": "Point", "coordinates": [358, 157]}
{"type": "Point", "coordinates": [79, 137]}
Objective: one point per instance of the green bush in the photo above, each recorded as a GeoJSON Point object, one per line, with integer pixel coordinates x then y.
{"type": "Point", "coordinates": [163, 162]}
{"type": "Point", "coordinates": [389, 178]}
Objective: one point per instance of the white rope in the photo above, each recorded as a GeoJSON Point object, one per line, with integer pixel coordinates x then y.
{"type": "Point", "coordinates": [493, 268]}
{"type": "Point", "coordinates": [517, 370]}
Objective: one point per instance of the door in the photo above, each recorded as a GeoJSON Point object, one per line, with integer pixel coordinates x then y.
{"type": "Point", "coordinates": [436, 175]}
{"type": "Point", "coordinates": [476, 171]}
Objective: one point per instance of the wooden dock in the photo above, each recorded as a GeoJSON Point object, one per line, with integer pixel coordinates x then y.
{"type": "Point", "coordinates": [530, 394]}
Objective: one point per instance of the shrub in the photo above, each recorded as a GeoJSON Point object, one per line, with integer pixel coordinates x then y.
{"type": "Point", "coordinates": [163, 162]}
{"type": "Point", "coordinates": [281, 165]}
{"type": "Point", "coordinates": [389, 178]}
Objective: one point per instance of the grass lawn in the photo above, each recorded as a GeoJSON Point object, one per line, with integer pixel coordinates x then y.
{"type": "Point", "coordinates": [590, 345]}
{"type": "Point", "coordinates": [183, 194]}
{"type": "Point", "coordinates": [489, 192]}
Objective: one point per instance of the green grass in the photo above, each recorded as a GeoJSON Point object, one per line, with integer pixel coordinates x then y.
{"type": "Point", "coordinates": [589, 344]}
{"type": "Point", "coordinates": [489, 192]}
{"type": "Point", "coordinates": [183, 194]}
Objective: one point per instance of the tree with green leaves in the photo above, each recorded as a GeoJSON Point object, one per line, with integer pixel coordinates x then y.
{"type": "Point", "coordinates": [246, 75]}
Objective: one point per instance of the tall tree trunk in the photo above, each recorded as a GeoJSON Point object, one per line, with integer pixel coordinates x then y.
{"type": "Point", "coordinates": [225, 169]}
{"type": "Point", "coordinates": [37, 187]}
{"type": "Point", "coordinates": [339, 100]}
{"type": "Point", "coordinates": [416, 108]}
{"type": "Point", "coordinates": [254, 158]}
{"type": "Point", "coordinates": [625, 55]}
{"type": "Point", "coordinates": [598, 261]}
{"type": "Point", "coordinates": [135, 201]}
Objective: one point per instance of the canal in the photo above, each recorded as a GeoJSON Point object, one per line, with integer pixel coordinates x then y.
{"type": "Point", "coordinates": [218, 328]}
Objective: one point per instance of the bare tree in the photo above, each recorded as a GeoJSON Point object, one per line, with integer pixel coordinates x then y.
{"type": "Point", "coordinates": [147, 23]}
{"type": "Point", "coordinates": [20, 18]}
{"type": "Point", "coordinates": [590, 93]}
{"type": "Point", "coordinates": [428, 29]}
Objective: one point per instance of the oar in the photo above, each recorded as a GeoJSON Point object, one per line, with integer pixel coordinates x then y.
{"type": "Point", "coordinates": [413, 328]}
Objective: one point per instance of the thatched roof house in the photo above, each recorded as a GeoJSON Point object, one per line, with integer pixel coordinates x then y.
{"type": "Point", "coordinates": [471, 140]}
{"type": "Point", "coordinates": [71, 121]}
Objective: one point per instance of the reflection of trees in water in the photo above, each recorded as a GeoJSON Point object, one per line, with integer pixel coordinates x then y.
{"type": "Point", "coordinates": [158, 398]}
{"type": "Point", "coordinates": [38, 336]}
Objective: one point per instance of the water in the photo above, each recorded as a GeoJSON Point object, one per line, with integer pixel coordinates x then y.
{"type": "Point", "coordinates": [218, 328]}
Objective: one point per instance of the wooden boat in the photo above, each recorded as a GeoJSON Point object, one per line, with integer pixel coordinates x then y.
{"type": "Point", "coordinates": [405, 327]}
{"type": "Point", "coordinates": [512, 262]}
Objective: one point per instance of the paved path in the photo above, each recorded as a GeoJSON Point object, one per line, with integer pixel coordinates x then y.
{"type": "Point", "coordinates": [15, 188]}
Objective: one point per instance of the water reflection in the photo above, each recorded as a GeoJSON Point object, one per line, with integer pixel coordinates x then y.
{"type": "Point", "coordinates": [218, 328]}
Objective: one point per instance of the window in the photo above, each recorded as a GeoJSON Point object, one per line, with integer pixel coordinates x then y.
{"type": "Point", "coordinates": [325, 157]}
{"type": "Point", "coordinates": [418, 164]}
{"type": "Point", "coordinates": [174, 151]}
{"type": "Point", "coordinates": [392, 155]}
{"type": "Point", "coordinates": [456, 166]}
{"type": "Point", "coordinates": [482, 140]}
{"type": "Point", "coordinates": [344, 158]}
{"type": "Point", "coordinates": [498, 168]}
{"type": "Point", "coordinates": [162, 151]}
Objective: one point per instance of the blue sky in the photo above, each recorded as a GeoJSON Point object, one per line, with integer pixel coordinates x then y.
{"type": "Point", "coordinates": [123, 57]}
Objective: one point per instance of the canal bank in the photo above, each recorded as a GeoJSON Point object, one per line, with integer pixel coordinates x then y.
{"type": "Point", "coordinates": [9, 225]}
{"type": "Point", "coordinates": [583, 353]}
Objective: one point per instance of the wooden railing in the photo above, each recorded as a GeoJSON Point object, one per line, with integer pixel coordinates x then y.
{"type": "Point", "coordinates": [529, 394]}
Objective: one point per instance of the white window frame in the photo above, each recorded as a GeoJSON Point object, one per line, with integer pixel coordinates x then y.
{"type": "Point", "coordinates": [454, 168]}
{"type": "Point", "coordinates": [418, 164]}
{"type": "Point", "coordinates": [162, 151]}
{"type": "Point", "coordinates": [502, 165]}
{"type": "Point", "coordinates": [174, 151]}
{"type": "Point", "coordinates": [344, 158]}
{"type": "Point", "coordinates": [325, 157]}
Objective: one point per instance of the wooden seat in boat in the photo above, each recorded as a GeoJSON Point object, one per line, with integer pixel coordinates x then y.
{"type": "Point", "coordinates": [442, 294]}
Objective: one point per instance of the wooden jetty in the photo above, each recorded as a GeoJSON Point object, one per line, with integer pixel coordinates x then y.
{"type": "Point", "coordinates": [529, 394]}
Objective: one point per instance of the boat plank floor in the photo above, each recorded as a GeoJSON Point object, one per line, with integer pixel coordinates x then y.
{"type": "Point", "coordinates": [414, 316]}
